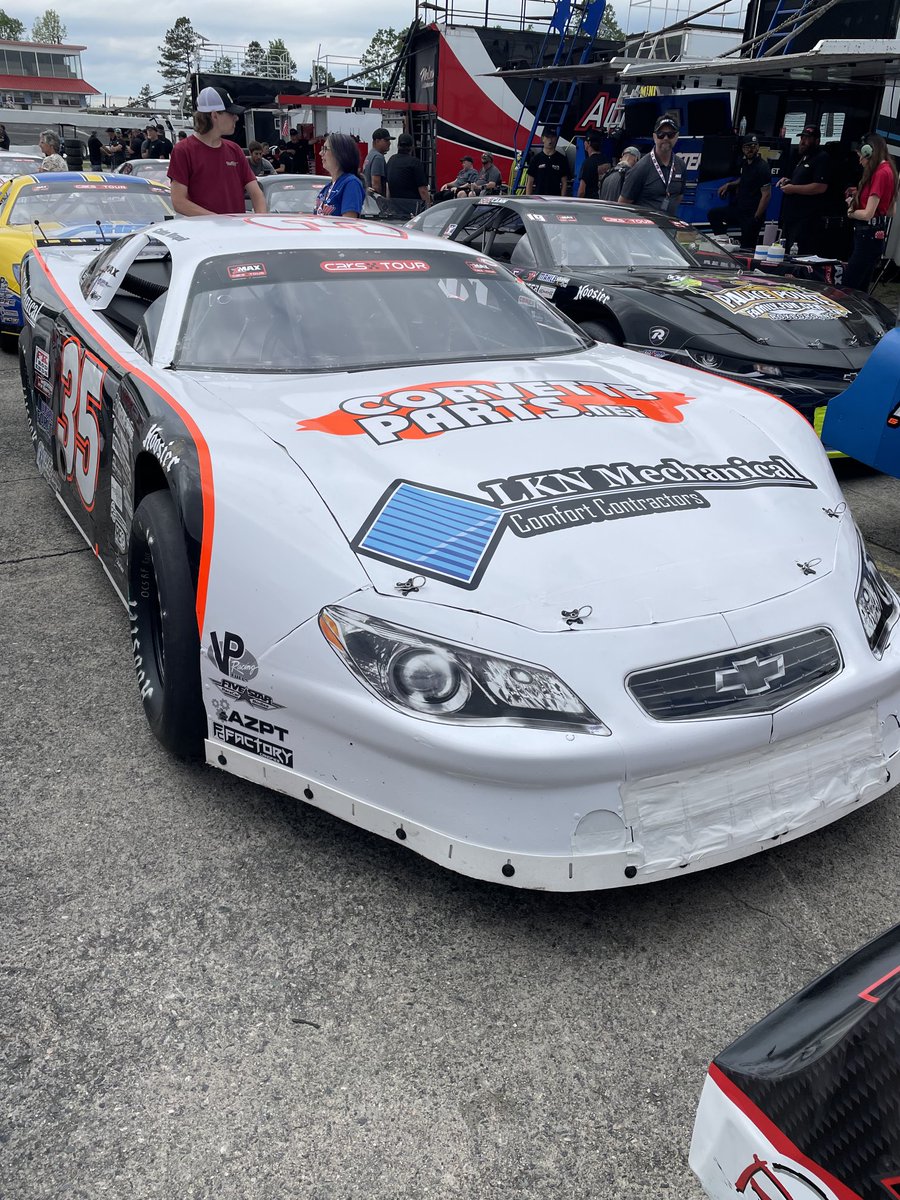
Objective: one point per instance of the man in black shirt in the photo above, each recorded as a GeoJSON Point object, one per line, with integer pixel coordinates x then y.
{"type": "Point", "coordinates": [548, 171]}
{"type": "Point", "coordinates": [657, 181]}
{"type": "Point", "coordinates": [803, 208]}
{"type": "Point", "coordinates": [750, 194]}
{"type": "Point", "coordinates": [407, 186]}
{"type": "Point", "coordinates": [593, 168]}
{"type": "Point", "coordinates": [153, 146]}
{"type": "Point", "coordinates": [95, 152]}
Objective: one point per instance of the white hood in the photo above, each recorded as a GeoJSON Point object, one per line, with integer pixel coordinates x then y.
{"type": "Point", "coordinates": [527, 488]}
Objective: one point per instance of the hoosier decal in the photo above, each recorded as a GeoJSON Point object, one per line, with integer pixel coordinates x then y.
{"type": "Point", "coordinates": [436, 408]}
{"type": "Point", "coordinates": [453, 537]}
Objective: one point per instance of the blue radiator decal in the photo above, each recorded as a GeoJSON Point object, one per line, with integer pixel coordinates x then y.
{"type": "Point", "coordinates": [446, 535]}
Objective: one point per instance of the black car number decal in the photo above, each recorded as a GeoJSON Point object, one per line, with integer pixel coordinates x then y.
{"type": "Point", "coordinates": [78, 425]}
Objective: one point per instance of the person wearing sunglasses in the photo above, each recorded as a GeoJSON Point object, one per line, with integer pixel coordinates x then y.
{"type": "Point", "coordinates": [657, 181]}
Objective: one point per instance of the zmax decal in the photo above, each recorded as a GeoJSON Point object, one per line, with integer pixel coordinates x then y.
{"type": "Point", "coordinates": [436, 408]}
{"type": "Point", "coordinates": [452, 537]}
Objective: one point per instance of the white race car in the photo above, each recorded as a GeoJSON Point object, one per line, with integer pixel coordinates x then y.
{"type": "Point", "coordinates": [399, 539]}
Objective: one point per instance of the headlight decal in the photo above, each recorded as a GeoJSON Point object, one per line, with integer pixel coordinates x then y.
{"type": "Point", "coordinates": [428, 676]}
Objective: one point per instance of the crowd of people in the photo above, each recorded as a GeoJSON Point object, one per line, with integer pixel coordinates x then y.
{"type": "Point", "coordinates": [827, 195]}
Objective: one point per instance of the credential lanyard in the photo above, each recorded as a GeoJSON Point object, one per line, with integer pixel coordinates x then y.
{"type": "Point", "coordinates": [666, 179]}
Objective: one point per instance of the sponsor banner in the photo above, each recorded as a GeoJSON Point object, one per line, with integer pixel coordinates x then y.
{"type": "Point", "coordinates": [395, 266]}
{"type": "Point", "coordinates": [451, 536]}
{"type": "Point", "coordinates": [450, 406]}
{"type": "Point", "coordinates": [247, 271]}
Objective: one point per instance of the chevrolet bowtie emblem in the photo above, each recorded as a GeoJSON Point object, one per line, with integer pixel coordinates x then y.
{"type": "Point", "coordinates": [750, 675]}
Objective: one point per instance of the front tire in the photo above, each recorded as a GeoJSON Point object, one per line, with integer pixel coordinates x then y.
{"type": "Point", "coordinates": [601, 332]}
{"type": "Point", "coordinates": [164, 636]}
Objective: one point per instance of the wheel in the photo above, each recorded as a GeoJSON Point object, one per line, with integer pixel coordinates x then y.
{"type": "Point", "coordinates": [164, 636]}
{"type": "Point", "coordinates": [601, 332]}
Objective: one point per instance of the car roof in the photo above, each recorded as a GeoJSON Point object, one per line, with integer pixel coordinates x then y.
{"type": "Point", "coordinates": [86, 177]}
{"type": "Point", "coordinates": [576, 202]}
{"type": "Point", "coordinates": [191, 239]}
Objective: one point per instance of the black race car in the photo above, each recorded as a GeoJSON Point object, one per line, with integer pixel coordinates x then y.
{"type": "Point", "coordinates": [652, 283]}
{"type": "Point", "coordinates": [804, 1105]}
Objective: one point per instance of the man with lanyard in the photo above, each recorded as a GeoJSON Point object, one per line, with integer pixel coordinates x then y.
{"type": "Point", "coordinates": [803, 208]}
{"type": "Point", "coordinates": [375, 165]}
{"type": "Point", "coordinates": [548, 171]}
{"type": "Point", "coordinates": [751, 196]}
{"type": "Point", "coordinates": [209, 172]}
{"type": "Point", "coordinates": [594, 167]}
{"type": "Point", "coordinates": [657, 181]}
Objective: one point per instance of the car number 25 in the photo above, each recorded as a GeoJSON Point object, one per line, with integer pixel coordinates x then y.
{"type": "Point", "coordinates": [78, 424]}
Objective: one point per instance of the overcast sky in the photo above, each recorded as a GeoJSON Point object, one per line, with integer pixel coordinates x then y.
{"type": "Point", "coordinates": [123, 43]}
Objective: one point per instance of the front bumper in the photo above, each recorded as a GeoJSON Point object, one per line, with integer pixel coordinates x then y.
{"type": "Point", "coordinates": [564, 811]}
{"type": "Point", "coordinates": [672, 824]}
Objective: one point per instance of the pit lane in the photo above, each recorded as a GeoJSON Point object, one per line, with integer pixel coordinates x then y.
{"type": "Point", "coordinates": [213, 991]}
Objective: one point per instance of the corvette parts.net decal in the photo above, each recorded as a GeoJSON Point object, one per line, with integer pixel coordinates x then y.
{"type": "Point", "coordinates": [453, 537]}
{"type": "Point", "coordinates": [436, 408]}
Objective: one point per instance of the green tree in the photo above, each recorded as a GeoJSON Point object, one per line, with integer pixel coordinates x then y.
{"type": "Point", "coordinates": [144, 98]}
{"type": "Point", "coordinates": [49, 28]}
{"type": "Point", "coordinates": [223, 65]}
{"type": "Point", "coordinates": [378, 58]}
{"type": "Point", "coordinates": [255, 59]}
{"type": "Point", "coordinates": [322, 79]}
{"type": "Point", "coordinates": [177, 56]}
{"type": "Point", "coordinates": [609, 26]}
{"type": "Point", "coordinates": [11, 30]}
{"type": "Point", "coordinates": [280, 58]}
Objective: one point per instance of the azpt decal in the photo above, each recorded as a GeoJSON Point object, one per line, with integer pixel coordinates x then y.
{"type": "Point", "coordinates": [448, 406]}
{"type": "Point", "coordinates": [451, 536]}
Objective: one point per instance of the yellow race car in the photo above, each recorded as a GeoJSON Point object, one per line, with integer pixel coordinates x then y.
{"type": "Point", "coordinates": [66, 208]}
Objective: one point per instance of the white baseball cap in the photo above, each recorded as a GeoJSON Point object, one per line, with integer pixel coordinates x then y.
{"type": "Point", "coordinates": [212, 100]}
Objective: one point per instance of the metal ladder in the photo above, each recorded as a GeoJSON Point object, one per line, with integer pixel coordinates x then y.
{"type": "Point", "coordinates": [788, 16]}
{"type": "Point", "coordinates": [573, 22]}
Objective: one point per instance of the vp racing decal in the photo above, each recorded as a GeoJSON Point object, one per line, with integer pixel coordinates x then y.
{"type": "Point", "coordinates": [436, 408]}
{"type": "Point", "coordinates": [452, 537]}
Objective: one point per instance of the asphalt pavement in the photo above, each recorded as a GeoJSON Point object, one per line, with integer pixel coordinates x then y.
{"type": "Point", "coordinates": [209, 990]}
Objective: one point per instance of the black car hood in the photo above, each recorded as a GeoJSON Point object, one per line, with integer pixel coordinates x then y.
{"type": "Point", "coordinates": [772, 310]}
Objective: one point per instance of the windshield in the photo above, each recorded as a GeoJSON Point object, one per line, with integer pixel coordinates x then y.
{"type": "Point", "coordinates": [12, 164]}
{"type": "Point", "coordinates": [298, 195]}
{"type": "Point", "coordinates": [318, 310]}
{"type": "Point", "coordinates": [580, 239]}
{"type": "Point", "coordinates": [67, 203]}
{"type": "Point", "coordinates": [294, 196]}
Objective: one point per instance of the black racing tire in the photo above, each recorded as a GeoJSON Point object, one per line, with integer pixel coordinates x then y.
{"type": "Point", "coordinates": [9, 342]}
{"type": "Point", "coordinates": [601, 332]}
{"type": "Point", "coordinates": [164, 636]}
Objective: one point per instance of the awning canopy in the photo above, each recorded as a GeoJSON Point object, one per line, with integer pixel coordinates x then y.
{"type": "Point", "coordinates": [828, 62]}
{"type": "Point", "coordinates": [46, 83]}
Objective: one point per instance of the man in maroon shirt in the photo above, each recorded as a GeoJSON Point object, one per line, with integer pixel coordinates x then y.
{"type": "Point", "coordinates": [209, 173]}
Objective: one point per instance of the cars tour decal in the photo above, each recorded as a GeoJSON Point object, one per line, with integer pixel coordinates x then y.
{"type": "Point", "coordinates": [436, 408]}
{"type": "Point", "coordinates": [770, 301]}
{"type": "Point", "coordinates": [391, 266]}
{"type": "Point", "coordinates": [451, 536]}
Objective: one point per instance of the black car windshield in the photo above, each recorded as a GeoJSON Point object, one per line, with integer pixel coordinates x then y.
{"type": "Point", "coordinates": [579, 239]}
{"type": "Point", "coordinates": [63, 202]}
{"type": "Point", "coordinates": [319, 310]}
